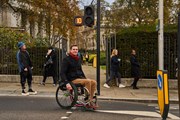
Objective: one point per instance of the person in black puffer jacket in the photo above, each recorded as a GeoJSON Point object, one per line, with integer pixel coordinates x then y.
{"type": "Point", "coordinates": [135, 69]}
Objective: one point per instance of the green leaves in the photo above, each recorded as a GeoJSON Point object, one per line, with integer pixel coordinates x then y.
{"type": "Point", "coordinates": [142, 12]}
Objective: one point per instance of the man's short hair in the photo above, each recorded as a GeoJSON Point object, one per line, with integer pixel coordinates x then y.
{"type": "Point", "coordinates": [73, 46]}
{"type": "Point", "coordinates": [50, 48]}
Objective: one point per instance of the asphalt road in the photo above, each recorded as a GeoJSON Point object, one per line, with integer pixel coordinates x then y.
{"type": "Point", "coordinates": [46, 108]}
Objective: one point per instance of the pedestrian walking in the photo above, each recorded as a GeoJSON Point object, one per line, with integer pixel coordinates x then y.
{"type": "Point", "coordinates": [25, 68]}
{"type": "Point", "coordinates": [50, 66]}
{"type": "Point", "coordinates": [135, 69]}
{"type": "Point", "coordinates": [71, 71]}
{"type": "Point", "coordinates": [114, 70]}
{"type": "Point", "coordinates": [87, 57]}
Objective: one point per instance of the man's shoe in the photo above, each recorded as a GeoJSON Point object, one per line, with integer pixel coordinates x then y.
{"type": "Point", "coordinates": [94, 105]}
{"type": "Point", "coordinates": [31, 92]}
{"type": "Point", "coordinates": [54, 85]}
{"type": "Point", "coordinates": [135, 87]}
{"type": "Point", "coordinates": [106, 85]}
{"type": "Point", "coordinates": [24, 93]}
{"type": "Point", "coordinates": [121, 86]}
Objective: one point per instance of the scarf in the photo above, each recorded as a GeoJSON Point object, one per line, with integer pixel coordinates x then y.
{"type": "Point", "coordinates": [74, 56]}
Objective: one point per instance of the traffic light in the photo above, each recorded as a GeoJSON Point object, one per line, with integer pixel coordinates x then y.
{"type": "Point", "coordinates": [89, 15]}
{"type": "Point", "coordinates": [78, 20]}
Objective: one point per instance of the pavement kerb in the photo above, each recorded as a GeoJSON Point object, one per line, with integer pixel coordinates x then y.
{"type": "Point", "coordinates": [52, 95]}
{"type": "Point", "coordinates": [140, 100]}
{"type": "Point", "coordinates": [103, 98]}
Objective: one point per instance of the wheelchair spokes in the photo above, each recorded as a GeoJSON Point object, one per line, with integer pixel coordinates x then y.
{"type": "Point", "coordinates": [78, 97]}
{"type": "Point", "coordinates": [65, 98]}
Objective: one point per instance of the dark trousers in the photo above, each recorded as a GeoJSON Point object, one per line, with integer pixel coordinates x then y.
{"type": "Point", "coordinates": [134, 84]}
{"type": "Point", "coordinates": [54, 78]}
{"type": "Point", "coordinates": [115, 75]}
{"type": "Point", "coordinates": [26, 75]}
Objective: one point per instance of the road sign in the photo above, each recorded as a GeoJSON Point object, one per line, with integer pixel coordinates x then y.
{"type": "Point", "coordinates": [160, 82]}
{"type": "Point", "coordinates": [163, 93]}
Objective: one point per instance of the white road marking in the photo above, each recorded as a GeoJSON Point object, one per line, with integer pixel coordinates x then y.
{"type": "Point", "coordinates": [171, 116]}
{"type": "Point", "coordinates": [139, 113]}
{"type": "Point", "coordinates": [68, 112]}
{"type": "Point", "coordinates": [63, 118]}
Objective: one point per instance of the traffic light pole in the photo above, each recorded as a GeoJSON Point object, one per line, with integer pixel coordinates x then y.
{"type": "Point", "coordinates": [178, 52]}
{"type": "Point", "coordinates": [98, 47]}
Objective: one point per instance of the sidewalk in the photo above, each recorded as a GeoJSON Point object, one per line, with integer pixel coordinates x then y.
{"type": "Point", "coordinates": [144, 94]}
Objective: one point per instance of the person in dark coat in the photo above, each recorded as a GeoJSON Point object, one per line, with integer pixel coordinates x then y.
{"type": "Point", "coordinates": [25, 68]}
{"type": "Point", "coordinates": [135, 69]}
{"type": "Point", "coordinates": [71, 71]}
{"type": "Point", "coordinates": [50, 66]}
{"type": "Point", "coordinates": [114, 70]}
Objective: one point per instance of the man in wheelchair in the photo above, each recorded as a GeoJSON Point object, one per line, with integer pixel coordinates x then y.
{"type": "Point", "coordinates": [71, 71]}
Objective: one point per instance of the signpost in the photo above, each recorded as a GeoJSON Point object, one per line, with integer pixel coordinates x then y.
{"type": "Point", "coordinates": [163, 93]}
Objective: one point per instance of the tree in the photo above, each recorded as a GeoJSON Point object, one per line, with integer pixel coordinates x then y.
{"type": "Point", "coordinates": [54, 16]}
{"type": "Point", "coordinates": [139, 12]}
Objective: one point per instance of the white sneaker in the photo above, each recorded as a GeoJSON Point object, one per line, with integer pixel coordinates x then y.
{"type": "Point", "coordinates": [106, 85]}
{"type": "Point", "coordinates": [121, 86]}
{"type": "Point", "coordinates": [31, 92]}
{"type": "Point", "coordinates": [24, 93]}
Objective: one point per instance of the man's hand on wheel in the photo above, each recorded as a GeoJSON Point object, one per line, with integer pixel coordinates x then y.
{"type": "Point", "coordinates": [68, 86]}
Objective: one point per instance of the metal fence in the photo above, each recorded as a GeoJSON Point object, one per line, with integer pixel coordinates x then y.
{"type": "Point", "coordinates": [147, 53]}
{"type": "Point", "coordinates": [8, 62]}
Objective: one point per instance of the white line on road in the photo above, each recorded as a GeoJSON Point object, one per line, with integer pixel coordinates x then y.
{"type": "Point", "coordinates": [64, 118]}
{"type": "Point", "coordinates": [171, 116]}
{"type": "Point", "coordinates": [139, 113]}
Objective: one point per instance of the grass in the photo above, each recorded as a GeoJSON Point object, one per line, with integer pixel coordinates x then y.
{"type": "Point", "coordinates": [103, 67]}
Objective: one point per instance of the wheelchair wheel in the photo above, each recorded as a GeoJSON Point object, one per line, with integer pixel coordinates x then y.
{"type": "Point", "coordinates": [65, 98]}
{"type": "Point", "coordinates": [83, 97]}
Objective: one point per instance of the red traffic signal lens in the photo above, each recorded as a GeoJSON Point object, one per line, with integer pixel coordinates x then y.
{"type": "Point", "coordinates": [88, 10]}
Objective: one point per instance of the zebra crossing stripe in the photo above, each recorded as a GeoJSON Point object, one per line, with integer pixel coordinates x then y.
{"type": "Point", "coordinates": [139, 113]}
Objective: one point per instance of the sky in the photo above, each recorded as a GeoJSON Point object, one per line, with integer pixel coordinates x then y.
{"type": "Point", "coordinates": [110, 1]}
{"type": "Point", "coordinates": [87, 2]}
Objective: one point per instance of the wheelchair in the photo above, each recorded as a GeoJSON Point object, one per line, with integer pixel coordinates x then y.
{"type": "Point", "coordinates": [77, 97]}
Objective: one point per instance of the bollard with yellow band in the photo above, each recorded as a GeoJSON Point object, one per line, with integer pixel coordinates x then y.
{"type": "Point", "coordinates": [163, 93]}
